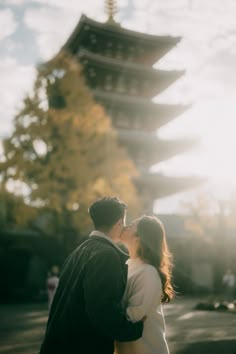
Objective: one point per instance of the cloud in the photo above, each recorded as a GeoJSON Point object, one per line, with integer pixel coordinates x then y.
{"type": "Point", "coordinates": [14, 2]}
{"type": "Point", "coordinates": [13, 45]}
{"type": "Point", "coordinates": [16, 81]}
{"type": "Point", "coordinates": [8, 23]}
{"type": "Point", "coordinates": [55, 20]}
{"type": "Point", "coordinates": [52, 26]}
{"type": "Point", "coordinates": [74, 5]}
{"type": "Point", "coordinates": [201, 24]}
{"type": "Point", "coordinates": [50, 33]}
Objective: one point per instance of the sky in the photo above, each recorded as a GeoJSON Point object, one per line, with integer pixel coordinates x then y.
{"type": "Point", "coordinates": [34, 31]}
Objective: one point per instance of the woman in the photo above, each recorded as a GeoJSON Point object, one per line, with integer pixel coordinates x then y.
{"type": "Point", "coordinates": [148, 286]}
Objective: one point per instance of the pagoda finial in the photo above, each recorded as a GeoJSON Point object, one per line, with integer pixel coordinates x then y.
{"type": "Point", "coordinates": [110, 9]}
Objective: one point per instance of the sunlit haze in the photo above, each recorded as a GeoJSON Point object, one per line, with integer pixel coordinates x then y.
{"type": "Point", "coordinates": [32, 31]}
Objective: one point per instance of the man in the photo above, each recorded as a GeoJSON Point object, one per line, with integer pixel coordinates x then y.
{"type": "Point", "coordinates": [86, 315]}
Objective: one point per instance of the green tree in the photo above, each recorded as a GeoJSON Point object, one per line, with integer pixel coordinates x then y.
{"type": "Point", "coordinates": [63, 148]}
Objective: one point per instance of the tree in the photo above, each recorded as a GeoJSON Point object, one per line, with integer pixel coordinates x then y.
{"type": "Point", "coordinates": [63, 148]}
{"type": "Point", "coordinates": [202, 216]}
{"type": "Point", "coordinates": [13, 211]}
{"type": "Point", "coordinates": [211, 223]}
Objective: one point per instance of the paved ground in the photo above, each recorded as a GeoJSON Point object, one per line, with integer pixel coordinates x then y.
{"type": "Point", "coordinates": [189, 331]}
{"type": "Point", "coordinates": [21, 328]}
{"type": "Point", "coordinates": [199, 332]}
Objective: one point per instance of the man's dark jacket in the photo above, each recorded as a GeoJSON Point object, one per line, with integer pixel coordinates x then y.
{"type": "Point", "coordinates": [86, 315]}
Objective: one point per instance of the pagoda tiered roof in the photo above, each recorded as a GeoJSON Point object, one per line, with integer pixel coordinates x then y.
{"type": "Point", "coordinates": [160, 113]}
{"type": "Point", "coordinates": [153, 149]}
{"type": "Point", "coordinates": [118, 66]}
{"type": "Point", "coordinates": [152, 80]}
{"type": "Point", "coordinates": [96, 35]}
{"type": "Point", "coordinates": [162, 185]}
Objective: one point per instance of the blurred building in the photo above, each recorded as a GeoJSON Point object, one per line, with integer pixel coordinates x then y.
{"type": "Point", "coordinates": [25, 258]}
{"type": "Point", "coordinates": [195, 257]}
{"type": "Point", "coordinates": [118, 67]}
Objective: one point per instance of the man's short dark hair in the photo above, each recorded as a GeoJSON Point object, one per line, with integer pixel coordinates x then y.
{"type": "Point", "coordinates": [105, 212]}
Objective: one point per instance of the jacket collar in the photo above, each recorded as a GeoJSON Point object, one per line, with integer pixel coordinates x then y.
{"type": "Point", "coordinates": [103, 237]}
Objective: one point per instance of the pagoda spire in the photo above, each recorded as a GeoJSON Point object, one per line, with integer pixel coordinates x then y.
{"type": "Point", "coordinates": [110, 9]}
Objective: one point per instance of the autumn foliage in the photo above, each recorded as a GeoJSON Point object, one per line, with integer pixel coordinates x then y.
{"type": "Point", "coordinates": [64, 151]}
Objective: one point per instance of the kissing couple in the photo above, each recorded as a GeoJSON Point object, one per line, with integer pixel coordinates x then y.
{"type": "Point", "coordinates": [107, 300]}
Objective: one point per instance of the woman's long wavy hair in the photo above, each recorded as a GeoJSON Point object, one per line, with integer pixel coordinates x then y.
{"type": "Point", "coordinates": [154, 250]}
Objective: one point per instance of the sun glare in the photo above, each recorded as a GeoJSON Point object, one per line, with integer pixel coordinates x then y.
{"type": "Point", "coordinates": [219, 145]}
{"type": "Point", "coordinates": [214, 123]}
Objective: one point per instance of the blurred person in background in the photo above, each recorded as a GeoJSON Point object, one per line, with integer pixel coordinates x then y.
{"type": "Point", "coordinates": [52, 284]}
{"type": "Point", "coordinates": [229, 285]}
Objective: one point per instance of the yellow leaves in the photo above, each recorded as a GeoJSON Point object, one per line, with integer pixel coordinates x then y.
{"type": "Point", "coordinates": [101, 187]}
{"type": "Point", "coordinates": [24, 214]}
{"type": "Point", "coordinates": [13, 210]}
{"type": "Point", "coordinates": [80, 158]}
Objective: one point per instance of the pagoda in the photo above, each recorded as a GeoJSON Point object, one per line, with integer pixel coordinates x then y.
{"type": "Point", "coordinates": [118, 67]}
